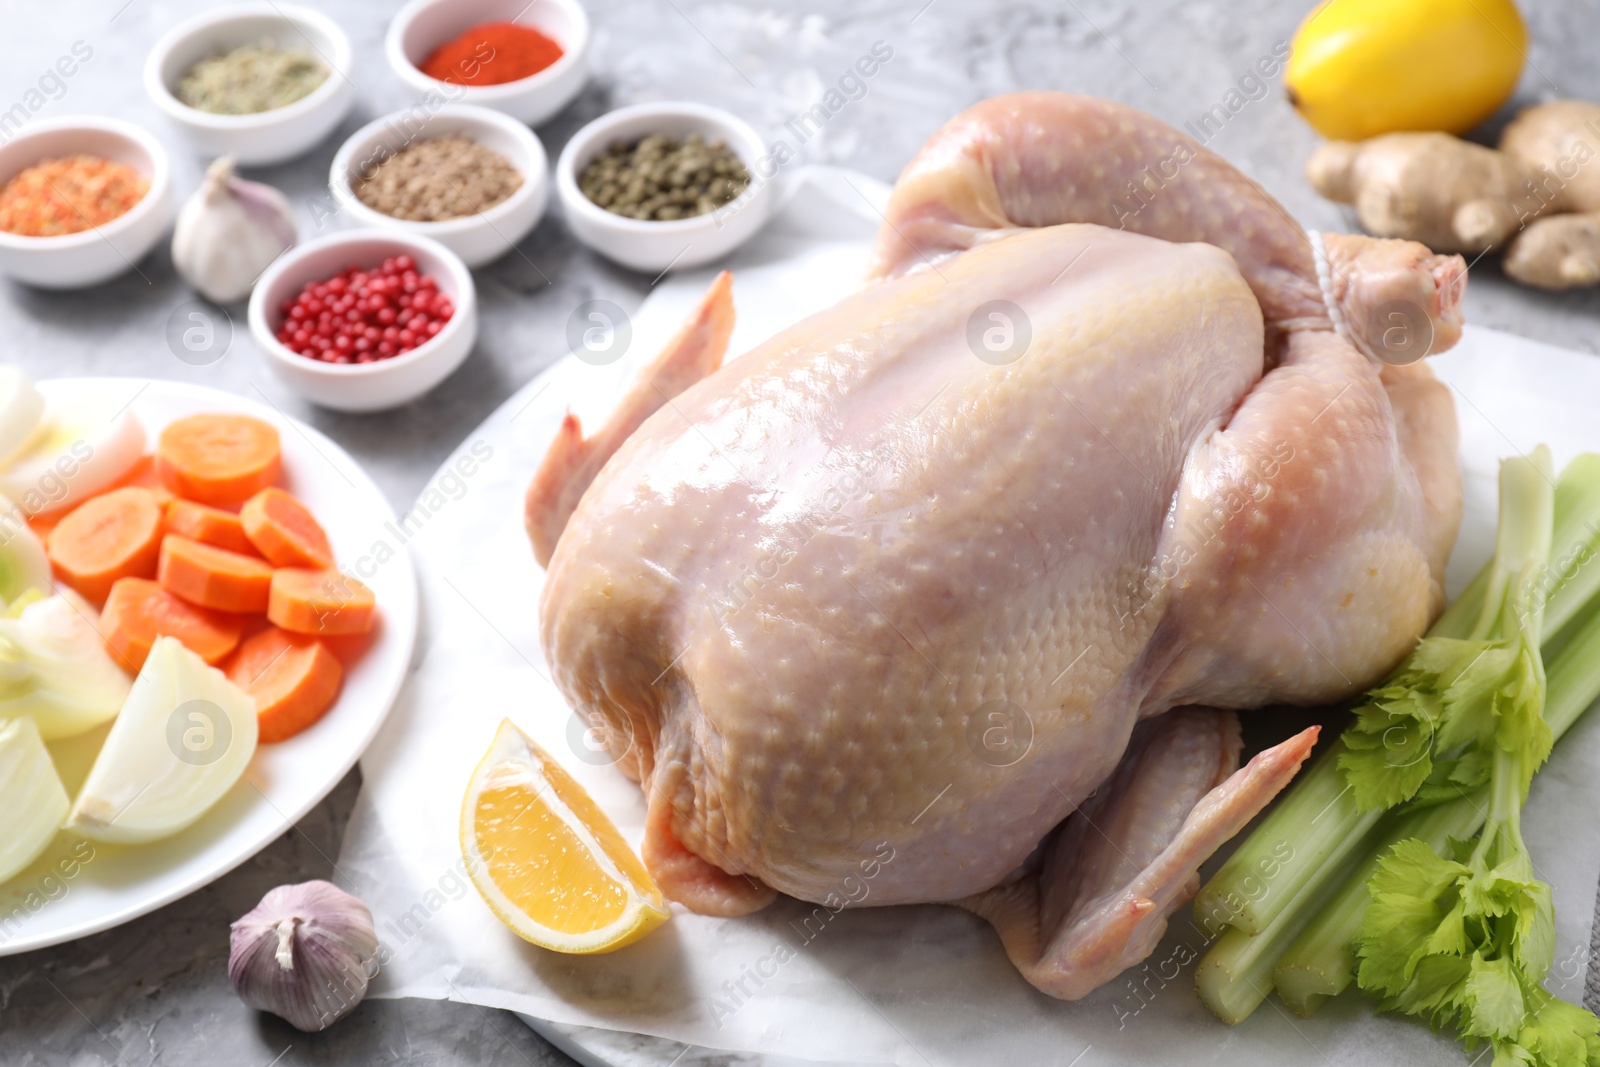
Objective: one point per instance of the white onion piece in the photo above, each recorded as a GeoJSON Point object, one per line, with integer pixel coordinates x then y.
{"type": "Point", "coordinates": [84, 446]}
{"type": "Point", "coordinates": [181, 741]}
{"type": "Point", "coordinates": [32, 800]}
{"type": "Point", "coordinates": [21, 408]}
{"type": "Point", "coordinates": [23, 563]}
{"type": "Point", "coordinates": [55, 670]}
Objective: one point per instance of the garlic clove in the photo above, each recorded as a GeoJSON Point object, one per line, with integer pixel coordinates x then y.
{"type": "Point", "coordinates": [305, 953]}
{"type": "Point", "coordinates": [228, 232]}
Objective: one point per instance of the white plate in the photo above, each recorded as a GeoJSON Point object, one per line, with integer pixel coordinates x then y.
{"type": "Point", "coordinates": [79, 887]}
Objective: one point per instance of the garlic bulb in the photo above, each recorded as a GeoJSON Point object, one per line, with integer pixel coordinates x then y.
{"type": "Point", "coordinates": [305, 953]}
{"type": "Point", "coordinates": [228, 232]}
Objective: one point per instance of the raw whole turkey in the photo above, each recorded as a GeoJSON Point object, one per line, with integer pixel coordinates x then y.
{"type": "Point", "coordinates": [967, 576]}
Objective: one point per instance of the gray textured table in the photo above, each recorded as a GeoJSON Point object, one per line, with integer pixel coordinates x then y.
{"type": "Point", "coordinates": [155, 991]}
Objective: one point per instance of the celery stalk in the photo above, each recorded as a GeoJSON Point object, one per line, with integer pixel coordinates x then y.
{"type": "Point", "coordinates": [1317, 822]}
{"type": "Point", "coordinates": [1305, 910]}
{"type": "Point", "coordinates": [1236, 974]}
{"type": "Point", "coordinates": [1320, 963]}
{"type": "Point", "coordinates": [1574, 574]}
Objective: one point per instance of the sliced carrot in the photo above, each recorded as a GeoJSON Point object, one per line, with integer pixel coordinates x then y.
{"type": "Point", "coordinates": [320, 602]}
{"type": "Point", "coordinates": [213, 577]}
{"type": "Point", "coordinates": [218, 459]}
{"type": "Point", "coordinates": [293, 677]}
{"type": "Point", "coordinates": [254, 624]}
{"type": "Point", "coordinates": [114, 535]}
{"type": "Point", "coordinates": [42, 524]}
{"type": "Point", "coordinates": [285, 531]}
{"type": "Point", "coordinates": [212, 526]}
{"type": "Point", "coordinates": [349, 648]}
{"type": "Point", "coordinates": [143, 474]}
{"type": "Point", "coordinates": [138, 611]}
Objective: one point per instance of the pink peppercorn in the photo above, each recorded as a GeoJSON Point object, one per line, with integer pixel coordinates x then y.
{"type": "Point", "coordinates": [353, 316]}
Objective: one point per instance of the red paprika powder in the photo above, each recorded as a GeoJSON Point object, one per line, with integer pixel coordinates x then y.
{"type": "Point", "coordinates": [492, 53]}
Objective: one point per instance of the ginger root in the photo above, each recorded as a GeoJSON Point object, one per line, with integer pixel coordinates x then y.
{"type": "Point", "coordinates": [1450, 194]}
{"type": "Point", "coordinates": [1559, 142]}
{"type": "Point", "coordinates": [1558, 252]}
{"type": "Point", "coordinates": [1538, 195]}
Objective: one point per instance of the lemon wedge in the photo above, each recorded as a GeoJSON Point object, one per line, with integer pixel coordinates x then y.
{"type": "Point", "coordinates": [548, 862]}
{"type": "Point", "coordinates": [32, 800]}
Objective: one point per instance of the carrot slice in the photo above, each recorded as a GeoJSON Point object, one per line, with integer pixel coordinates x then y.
{"type": "Point", "coordinates": [41, 525]}
{"type": "Point", "coordinates": [212, 526]}
{"type": "Point", "coordinates": [114, 535]}
{"type": "Point", "coordinates": [320, 602]}
{"type": "Point", "coordinates": [293, 677]}
{"type": "Point", "coordinates": [285, 531]}
{"type": "Point", "coordinates": [218, 459]}
{"type": "Point", "coordinates": [213, 577]}
{"type": "Point", "coordinates": [143, 474]}
{"type": "Point", "coordinates": [138, 611]}
{"type": "Point", "coordinates": [349, 648]}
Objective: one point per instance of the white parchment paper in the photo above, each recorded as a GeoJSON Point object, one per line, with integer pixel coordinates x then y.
{"type": "Point", "coordinates": [907, 985]}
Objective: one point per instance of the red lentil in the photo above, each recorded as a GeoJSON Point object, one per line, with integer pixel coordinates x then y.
{"type": "Point", "coordinates": [362, 316]}
{"type": "Point", "coordinates": [69, 195]}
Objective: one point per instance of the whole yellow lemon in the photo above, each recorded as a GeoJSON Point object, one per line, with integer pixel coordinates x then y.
{"type": "Point", "coordinates": [1359, 68]}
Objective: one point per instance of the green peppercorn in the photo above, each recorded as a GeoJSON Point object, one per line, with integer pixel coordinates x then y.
{"type": "Point", "coordinates": [660, 178]}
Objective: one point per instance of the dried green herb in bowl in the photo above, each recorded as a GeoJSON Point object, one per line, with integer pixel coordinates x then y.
{"type": "Point", "coordinates": [661, 178]}
{"type": "Point", "coordinates": [438, 179]}
{"type": "Point", "coordinates": [251, 79]}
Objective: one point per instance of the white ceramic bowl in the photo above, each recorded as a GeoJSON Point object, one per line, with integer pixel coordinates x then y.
{"type": "Point", "coordinates": [423, 25]}
{"type": "Point", "coordinates": [386, 383]}
{"type": "Point", "coordinates": [268, 136]}
{"type": "Point", "coordinates": [93, 256]}
{"type": "Point", "coordinates": [477, 239]}
{"type": "Point", "coordinates": [656, 246]}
